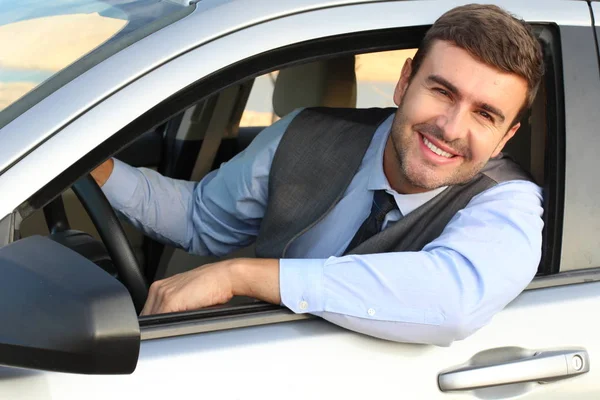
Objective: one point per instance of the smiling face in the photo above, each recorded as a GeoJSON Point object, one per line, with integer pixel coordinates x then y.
{"type": "Point", "coordinates": [453, 115]}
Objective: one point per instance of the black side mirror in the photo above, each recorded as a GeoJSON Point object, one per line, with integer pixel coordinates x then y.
{"type": "Point", "coordinates": [61, 312]}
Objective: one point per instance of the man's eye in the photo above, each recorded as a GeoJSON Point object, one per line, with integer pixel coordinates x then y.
{"type": "Point", "coordinates": [443, 92]}
{"type": "Point", "coordinates": [486, 116]}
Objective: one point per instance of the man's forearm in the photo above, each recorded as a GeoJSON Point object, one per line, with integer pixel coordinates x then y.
{"type": "Point", "coordinates": [158, 205]}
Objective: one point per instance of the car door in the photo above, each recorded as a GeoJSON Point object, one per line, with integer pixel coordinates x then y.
{"type": "Point", "coordinates": [540, 347]}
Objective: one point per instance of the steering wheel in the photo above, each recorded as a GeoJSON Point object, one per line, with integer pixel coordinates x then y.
{"type": "Point", "coordinates": [111, 232]}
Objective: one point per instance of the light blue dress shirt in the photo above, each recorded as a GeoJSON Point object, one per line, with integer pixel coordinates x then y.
{"type": "Point", "coordinates": [483, 259]}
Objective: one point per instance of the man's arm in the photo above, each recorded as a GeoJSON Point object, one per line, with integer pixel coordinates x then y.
{"type": "Point", "coordinates": [215, 216]}
{"type": "Point", "coordinates": [485, 257]}
{"type": "Point", "coordinates": [157, 205]}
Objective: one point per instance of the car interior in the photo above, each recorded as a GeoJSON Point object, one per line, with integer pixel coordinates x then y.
{"type": "Point", "coordinates": [211, 132]}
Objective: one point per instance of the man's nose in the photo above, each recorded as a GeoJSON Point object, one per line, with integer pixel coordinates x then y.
{"type": "Point", "coordinates": [454, 123]}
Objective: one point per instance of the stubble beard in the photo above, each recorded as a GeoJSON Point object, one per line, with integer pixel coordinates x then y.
{"type": "Point", "coordinates": [425, 178]}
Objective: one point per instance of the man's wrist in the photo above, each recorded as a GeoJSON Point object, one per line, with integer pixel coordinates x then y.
{"type": "Point", "coordinates": [102, 172]}
{"type": "Point", "coordinates": [255, 277]}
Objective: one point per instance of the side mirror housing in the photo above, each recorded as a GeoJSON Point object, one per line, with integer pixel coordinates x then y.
{"type": "Point", "coordinates": [61, 312]}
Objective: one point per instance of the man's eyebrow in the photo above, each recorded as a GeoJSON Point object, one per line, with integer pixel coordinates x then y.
{"type": "Point", "coordinates": [454, 90]}
{"type": "Point", "coordinates": [444, 82]}
{"type": "Point", "coordinates": [493, 110]}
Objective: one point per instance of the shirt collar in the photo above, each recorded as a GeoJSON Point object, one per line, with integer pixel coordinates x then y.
{"type": "Point", "coordinates": [378, 181]}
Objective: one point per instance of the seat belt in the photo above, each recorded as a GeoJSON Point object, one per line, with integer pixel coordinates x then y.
{"type": "Point", "coordinates": [215, 131]}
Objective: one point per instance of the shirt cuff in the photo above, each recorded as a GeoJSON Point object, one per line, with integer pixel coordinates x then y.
{"type": "Point", "coordinates": [121, 185]}
{"type": "Point", "coordinates": [301, 284]}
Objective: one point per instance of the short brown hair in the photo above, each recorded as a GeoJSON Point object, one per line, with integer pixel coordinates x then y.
{"type": "Point", "coordinates": [493, 36]}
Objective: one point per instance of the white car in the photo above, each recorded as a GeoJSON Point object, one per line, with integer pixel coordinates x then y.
{"type": "Point", "coordinates": [182, 86]}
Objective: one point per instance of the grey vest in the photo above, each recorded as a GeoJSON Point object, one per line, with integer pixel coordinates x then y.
{"type": "Point", "coordinates": [314, 164]}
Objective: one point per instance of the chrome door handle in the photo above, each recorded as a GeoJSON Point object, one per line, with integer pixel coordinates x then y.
{"type": "Point", "coordinates": [542, 366]}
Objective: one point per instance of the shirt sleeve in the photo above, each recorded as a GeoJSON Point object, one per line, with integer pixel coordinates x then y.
{"type": "Point", "coordinates": [213, 217]}
{"type": "Point", "coordinates": [485, 257]}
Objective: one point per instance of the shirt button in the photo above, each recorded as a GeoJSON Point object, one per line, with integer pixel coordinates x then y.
{"type": "Point", "coordinates": [303, 305]}
{"type": "Point", "coordinates": [371, 312]}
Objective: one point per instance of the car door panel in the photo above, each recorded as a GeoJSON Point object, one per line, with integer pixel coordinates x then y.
{"type": "Point", "coordinates": [581, 91]}
{"type": "Point", "coordinates": [317, 360]}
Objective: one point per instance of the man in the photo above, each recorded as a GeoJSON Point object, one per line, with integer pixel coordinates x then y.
{"type": "Point", "coordinates": [432, 232]}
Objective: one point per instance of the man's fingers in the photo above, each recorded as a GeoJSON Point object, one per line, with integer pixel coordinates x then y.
{"type": "Point", "coordinates": [145, 310]}
{"type": "Point", "coordinates": [162, 298]}
{"type": "Point", "coordinates": [151, 300]}
{"type": "Point", "coordinates": [190, 290]}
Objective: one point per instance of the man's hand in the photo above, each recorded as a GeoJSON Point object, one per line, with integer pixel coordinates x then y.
{"type": "Point", "coordinates": [214, 284]}
{"type": "Point", "coordinates": [103, 171]}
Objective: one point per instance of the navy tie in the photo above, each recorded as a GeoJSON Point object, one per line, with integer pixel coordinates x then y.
{"type": "Point", "coordinates": [383, 203]}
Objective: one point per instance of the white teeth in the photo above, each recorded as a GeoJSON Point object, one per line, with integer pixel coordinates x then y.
{"type": "Point", "coordinates": [435, 149]}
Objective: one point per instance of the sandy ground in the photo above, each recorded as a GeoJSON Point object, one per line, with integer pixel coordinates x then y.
{"type": "Point", "coordinates": [12, 91]}
{"type": "Point", "coordinates": [48, 44]}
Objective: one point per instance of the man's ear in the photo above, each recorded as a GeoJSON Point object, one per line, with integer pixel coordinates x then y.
{"type": "Point", "coordinates": [403, 81]}
{"type": "Point", "coordinates": [511, 132]}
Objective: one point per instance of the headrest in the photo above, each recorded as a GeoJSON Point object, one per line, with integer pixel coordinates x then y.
{"type": "Point", "coordinates": [327, 83]}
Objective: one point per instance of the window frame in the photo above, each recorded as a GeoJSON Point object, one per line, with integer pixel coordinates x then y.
{"type": "Point", "coordinates": [353, 43]}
